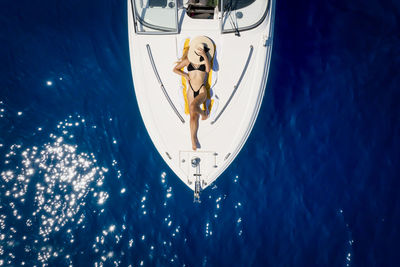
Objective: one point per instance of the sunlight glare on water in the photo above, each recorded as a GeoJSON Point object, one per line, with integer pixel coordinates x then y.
{"type": "Point", "coordinates": [82, 184]}
{"type": "Point", "coordinates": [54, 181]}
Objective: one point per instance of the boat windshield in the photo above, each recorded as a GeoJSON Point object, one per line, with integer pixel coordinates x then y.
{"type": "Point", "coordinates": [242, 14]}
{"type": "Point", "coordinates": [155, 16]}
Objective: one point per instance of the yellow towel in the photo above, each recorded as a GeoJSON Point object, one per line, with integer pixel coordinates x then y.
{"type": "Point", "coordinates": [209, 102]}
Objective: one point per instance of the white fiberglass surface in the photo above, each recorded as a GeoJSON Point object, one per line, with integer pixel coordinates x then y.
{"type": "Point", "coordinates": [239, 14]}
{"type": "Point", "coordinates": [154, 16]}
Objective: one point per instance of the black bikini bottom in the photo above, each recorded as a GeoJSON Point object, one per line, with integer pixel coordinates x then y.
{"type": "Point", "coordinates": [195, 93]}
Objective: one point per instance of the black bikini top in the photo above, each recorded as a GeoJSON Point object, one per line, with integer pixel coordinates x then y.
{"type": "Point", "coordinates": [202, 67]}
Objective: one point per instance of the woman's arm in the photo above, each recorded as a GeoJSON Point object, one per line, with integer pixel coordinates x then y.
{"type": "Point", "coordinates": [179, 66]}
{"type": "Point", "coordinates": [201, 52]}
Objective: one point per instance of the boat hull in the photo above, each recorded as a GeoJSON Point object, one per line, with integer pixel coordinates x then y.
{"type": "Point", "coordinates": [243, 66]}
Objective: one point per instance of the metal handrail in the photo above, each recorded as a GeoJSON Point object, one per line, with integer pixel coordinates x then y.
{"type": "Point", "coordinates": [235, 87]}
{"type": "Point", "coordinates": [162, 85]}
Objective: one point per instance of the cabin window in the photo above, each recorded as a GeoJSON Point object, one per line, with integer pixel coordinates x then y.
{"type": "Point", "coordinates": [243, 14]}
{"type": "Point", "coordinates": [155, 16]}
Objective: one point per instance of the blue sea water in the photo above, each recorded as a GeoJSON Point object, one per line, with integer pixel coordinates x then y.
{"type": "Point", "coordinates": [315, 185]}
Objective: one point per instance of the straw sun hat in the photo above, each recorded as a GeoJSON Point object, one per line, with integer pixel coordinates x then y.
{"type": "Point", "coordinates": [200, 42]}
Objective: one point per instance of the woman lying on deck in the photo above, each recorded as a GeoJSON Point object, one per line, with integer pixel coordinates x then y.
{"type": "Point", "coordinates": [197, 60]}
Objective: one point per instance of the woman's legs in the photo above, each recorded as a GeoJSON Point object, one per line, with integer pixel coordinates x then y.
{"type": "Point", "coordinates": [194, 126]}
{"type": "Point", "coordinates": [195, 110]}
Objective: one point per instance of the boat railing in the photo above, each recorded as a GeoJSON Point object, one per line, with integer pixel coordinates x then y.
{"type": "Point", "coordinates": [162, 85]}
{"type": "Point", "coordinates": [236, 86]}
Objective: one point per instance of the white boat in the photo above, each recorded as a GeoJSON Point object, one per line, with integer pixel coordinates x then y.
{"type": "Point", "coordinates": [242, 31]}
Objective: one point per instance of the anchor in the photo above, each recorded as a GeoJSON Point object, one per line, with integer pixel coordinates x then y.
{"type": "Point", "coordinates": [197, 187]}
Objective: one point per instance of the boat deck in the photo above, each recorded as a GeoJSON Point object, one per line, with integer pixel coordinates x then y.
{"type": "Point", "coordinates": [239, 88]}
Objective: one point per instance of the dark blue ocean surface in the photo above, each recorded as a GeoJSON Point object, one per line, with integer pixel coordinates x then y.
{"type": "Point", "coordinates": [317, 183]}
